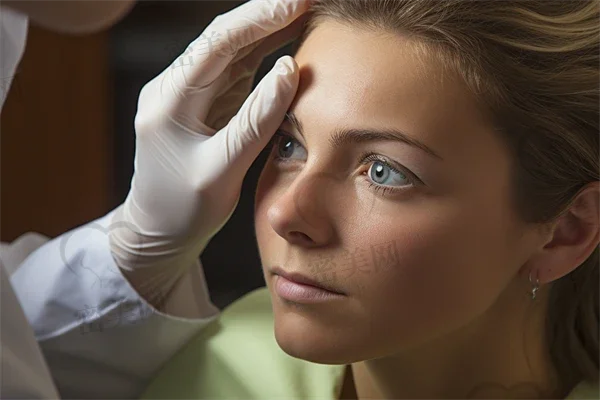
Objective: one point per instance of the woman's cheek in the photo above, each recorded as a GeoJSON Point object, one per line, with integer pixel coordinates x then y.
{"type": "Point", "coordinates": [429, 287]}
{"type": "Point", "coordinates": [443, 282]}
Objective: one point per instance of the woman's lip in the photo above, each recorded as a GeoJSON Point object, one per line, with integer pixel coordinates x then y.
{"type": "Point", "coordinates": [304, 280]}
{"type": "Point", "coordinates": [301, 293]}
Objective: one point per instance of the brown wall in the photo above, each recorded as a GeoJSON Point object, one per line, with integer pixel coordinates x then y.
{"type": "Point", "coordinates": [55, 144]}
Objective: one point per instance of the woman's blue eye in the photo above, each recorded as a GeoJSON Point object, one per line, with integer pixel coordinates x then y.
{"type": "Point", "coordinates": [383, 174]}
{"type": "Point", "coordinates": [287, 147]}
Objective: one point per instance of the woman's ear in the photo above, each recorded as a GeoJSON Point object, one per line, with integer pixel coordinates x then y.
{"type": "Point", "coordinates": [572, 237]}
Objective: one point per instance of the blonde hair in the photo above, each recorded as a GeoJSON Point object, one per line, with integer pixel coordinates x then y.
{"type": "Point", "coordinates": [534, 64]}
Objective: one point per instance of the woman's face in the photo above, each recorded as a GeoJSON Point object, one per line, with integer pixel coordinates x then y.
{"type": "Point", "coordinates": [417, 232]}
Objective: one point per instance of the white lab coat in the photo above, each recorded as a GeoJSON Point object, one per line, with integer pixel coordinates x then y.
{"type": "Point", "coordinates": [72, 326]}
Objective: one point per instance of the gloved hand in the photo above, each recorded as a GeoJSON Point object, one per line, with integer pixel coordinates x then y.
{"type": "Point", "coordinates": [191, 155]}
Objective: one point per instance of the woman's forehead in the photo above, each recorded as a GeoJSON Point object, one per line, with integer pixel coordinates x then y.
{"type": "Point", "coordinates": [362, 79]}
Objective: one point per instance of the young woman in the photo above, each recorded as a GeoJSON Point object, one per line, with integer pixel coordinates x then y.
{"type": "Point", "coordinates": [428, 218]}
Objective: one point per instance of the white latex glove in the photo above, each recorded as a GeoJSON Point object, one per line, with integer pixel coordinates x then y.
{"type": "Point", "coordinates": [191, 155]}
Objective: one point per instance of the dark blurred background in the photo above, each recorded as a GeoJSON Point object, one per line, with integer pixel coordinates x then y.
{"type": "Point", "coordinates": [67, 141]}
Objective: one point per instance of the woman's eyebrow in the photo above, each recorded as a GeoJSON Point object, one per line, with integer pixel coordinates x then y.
{"type": "Point", "coordinates": [344, 136]}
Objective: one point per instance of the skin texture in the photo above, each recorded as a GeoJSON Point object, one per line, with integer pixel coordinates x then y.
{"type": "Point", "coordinates": [73, 17]}
{"type": "Point", "coordinates": [438, 300]}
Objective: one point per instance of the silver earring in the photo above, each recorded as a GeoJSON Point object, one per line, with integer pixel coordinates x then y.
{"type": "Point", "coordinates": [536, 286]}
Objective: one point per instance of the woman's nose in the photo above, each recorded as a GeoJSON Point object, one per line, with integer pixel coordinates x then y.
{"type": "Point", "coordinates": [301, 214]}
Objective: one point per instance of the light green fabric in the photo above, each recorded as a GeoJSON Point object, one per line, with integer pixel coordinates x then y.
{"type": "Point", "coordinates": [237, 357]}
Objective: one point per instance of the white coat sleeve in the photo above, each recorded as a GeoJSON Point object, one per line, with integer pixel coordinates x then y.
{"type": "Point", "coordinates": [100, 339]}
{"type": "Point", "coordinates": [25, 374]}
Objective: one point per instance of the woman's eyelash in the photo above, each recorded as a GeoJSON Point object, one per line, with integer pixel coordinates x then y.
{"type": "Point", "coordinates": [382, 189]}
{"type": "Point", "coordinates": [366, 158]}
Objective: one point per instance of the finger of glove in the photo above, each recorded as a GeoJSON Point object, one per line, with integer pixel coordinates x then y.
{"type": "Point", "coordinates": [228, 33]}
{"type": "Point", "coordinates": [229, 90]}
{"type": "Point", "coordinates": [249, 131]}
{"type": "Point", "coordinates": [248, 60]}
{"type": "Point", "coordinates": [280, 38]}
{"type": "Point", "coordinates": [248, 65]}
{"type": "Point", "coordinates": [240, 75]}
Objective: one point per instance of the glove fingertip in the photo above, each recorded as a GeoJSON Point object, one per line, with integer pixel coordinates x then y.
{"type": "Point", "coordinates": [286, 65]}
{"type": "Point", "coordinates": [286, 80]}
{"type": "Point", "coordinates": [265, 108]}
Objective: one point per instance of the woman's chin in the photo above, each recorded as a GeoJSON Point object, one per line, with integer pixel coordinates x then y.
{"type": "Point", "coordinates": [300, 340]}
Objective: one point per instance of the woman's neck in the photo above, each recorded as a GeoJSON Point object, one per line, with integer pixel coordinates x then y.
{"type": "Point", "coordinates": [502, 354]}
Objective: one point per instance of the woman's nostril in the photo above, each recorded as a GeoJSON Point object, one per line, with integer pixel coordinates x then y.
{"type": "Point", "coordinates": [301, 237]}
